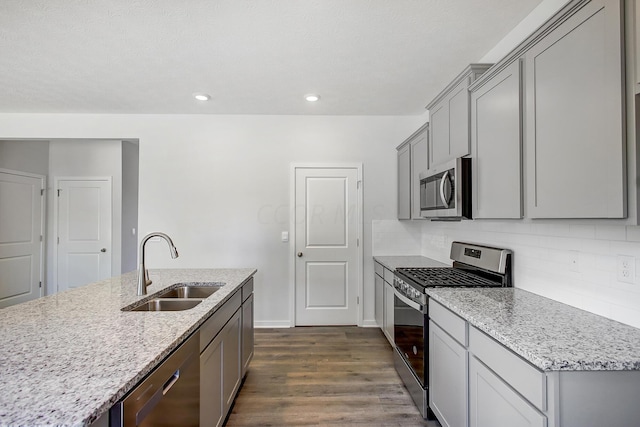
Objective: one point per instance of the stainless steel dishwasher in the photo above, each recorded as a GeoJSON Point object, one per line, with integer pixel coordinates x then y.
{"type": "Point", "coordinates": [169, 396]}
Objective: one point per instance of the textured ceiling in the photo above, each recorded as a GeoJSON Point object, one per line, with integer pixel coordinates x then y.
{"type": "Point", "coordinates": [364, 57]}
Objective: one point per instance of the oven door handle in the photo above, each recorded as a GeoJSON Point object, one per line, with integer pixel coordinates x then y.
{"type": "Point", "coordinates": [409, 302]}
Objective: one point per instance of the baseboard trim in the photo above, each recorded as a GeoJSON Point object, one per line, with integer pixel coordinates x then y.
{"type": "Point", "coordinates": [272, 324]}
{"type": "Point", "coordinates": [370, 324]}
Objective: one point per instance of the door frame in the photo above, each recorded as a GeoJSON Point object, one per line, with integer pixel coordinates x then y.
{"type": "Point", "coordinates": [292, 234]}
{"type": "Point", "coordinates": [43, 222]}
{"type": "Point", "coordinates": [56, 185]}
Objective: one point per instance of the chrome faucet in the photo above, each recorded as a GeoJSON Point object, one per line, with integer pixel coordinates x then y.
{"type": "Point", "coordinates": [143, 274]}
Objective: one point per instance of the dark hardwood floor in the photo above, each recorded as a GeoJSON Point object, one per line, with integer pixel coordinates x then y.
{"type": "Point", "coordinates": [320, 376]}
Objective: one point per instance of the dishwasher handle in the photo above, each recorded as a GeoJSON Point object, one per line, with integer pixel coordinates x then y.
{"type": "Point", "coordinates": [157, 396]}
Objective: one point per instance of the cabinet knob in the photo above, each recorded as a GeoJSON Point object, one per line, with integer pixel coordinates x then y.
{"type": "Point", "coordinates": [103, 250]}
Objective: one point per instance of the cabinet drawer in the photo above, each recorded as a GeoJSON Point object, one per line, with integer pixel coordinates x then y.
{"type": "Point", "coordinates": [519, 374]}
{"type": "Point", "coordinates": [451, 323]}
{"type": "Point", "coordinates": [378, 268]}
{"type": "Point", "coordinates": [216, 322]}
{"type": "Point", "coordinates": [388, 276]}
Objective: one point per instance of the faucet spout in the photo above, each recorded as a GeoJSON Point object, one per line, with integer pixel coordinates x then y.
{"type": "Point", "coordinates": [143, 274]}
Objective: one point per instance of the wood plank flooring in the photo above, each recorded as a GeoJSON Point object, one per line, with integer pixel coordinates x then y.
{"type": "Point", "coordinates": [321, 376]}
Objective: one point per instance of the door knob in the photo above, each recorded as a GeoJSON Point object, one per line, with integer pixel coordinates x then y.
{"type": "Point", "coordinates": [299, 254]}
{"type": "Point", "coordinates": [103, 250]}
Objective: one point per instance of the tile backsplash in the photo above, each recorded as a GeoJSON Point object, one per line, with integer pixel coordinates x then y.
{"type": "Point", "coordinates": [573, 263]}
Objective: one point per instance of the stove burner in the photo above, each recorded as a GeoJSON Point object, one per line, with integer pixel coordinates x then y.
{"type": "Point", "coordinates": [436, 277]}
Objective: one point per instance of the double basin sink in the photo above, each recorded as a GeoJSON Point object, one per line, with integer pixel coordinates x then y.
{"type": "Point", "coordinates": [181, 297]}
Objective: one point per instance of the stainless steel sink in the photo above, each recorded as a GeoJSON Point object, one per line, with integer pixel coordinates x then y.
{"type": "Point", "coordinates": [175, 304]}
{"type": "Point", "coordinates": [191, 291]}
{"type": "Point", "coordinates": [182, 297]}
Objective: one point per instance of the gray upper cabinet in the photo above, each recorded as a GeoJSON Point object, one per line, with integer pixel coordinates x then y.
{"type": "Point", "coordinates": [575, 146]}
{"type": "Point", "coordinates": [412, 159]}
{"type": "Point", "coordinates": [404, 182]}
{"type": "Point", "coordinates": [637, 46]}
{"type": "Point", "coordinates": [419, 152]}
{"type": "Point", "coordinates": [496, 145]}
{"type": "Point", "coordinates": [449, 118]}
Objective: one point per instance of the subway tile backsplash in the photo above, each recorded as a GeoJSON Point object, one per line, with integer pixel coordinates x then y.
{"type": "Point", "coordinates": [572, 263]}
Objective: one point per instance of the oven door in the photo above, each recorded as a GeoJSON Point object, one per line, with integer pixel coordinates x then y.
{"type": "Point", "coordinates": [410, 334]}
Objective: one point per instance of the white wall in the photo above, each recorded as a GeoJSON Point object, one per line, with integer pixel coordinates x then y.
{"type": "Point", "coordinates": [544, 255]}
{"type": "Point", "coordinates": [219, 185]}
{"type": "Point", "coordinates": [25, 156]}
{"type": "Point", "coordinates": [80, 158]}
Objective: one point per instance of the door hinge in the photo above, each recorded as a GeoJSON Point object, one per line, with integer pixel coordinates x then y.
{"type": "Point", "coordinates": [40, 284]}
{"type": "Point", "coordinates": [58, 240]}
{"type": "Point", "coordinates": [359, 183]}
{"type": "Point", "coordinates": [42, 191]}
{"type": "Point", "coordinates": [59, 190]}
{"type": "Point", "coordinates": [357, 300]}
{"type": "Point", "coordinates": [41, 238]}
{"type": "Point", "coordinates": [358, 242]}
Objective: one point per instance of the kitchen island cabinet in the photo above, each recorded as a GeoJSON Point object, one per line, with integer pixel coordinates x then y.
{"type": "Point", "coordinates": [81, 340]}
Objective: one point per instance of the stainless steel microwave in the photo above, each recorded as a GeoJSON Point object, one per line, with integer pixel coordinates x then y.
{"type": "Point", "coordinates": [445, 190]}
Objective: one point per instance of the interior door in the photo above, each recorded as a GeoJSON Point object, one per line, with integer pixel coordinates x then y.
{"type": "Point", "coordinates": [21, 231]}
{"type": "Point", "coordinates": [326, 246]}
{"type": "Point", "coordinates": [84, 231]}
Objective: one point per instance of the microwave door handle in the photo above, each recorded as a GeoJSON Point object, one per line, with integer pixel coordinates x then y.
{"type": "Point", "coordinates": [442, 197]}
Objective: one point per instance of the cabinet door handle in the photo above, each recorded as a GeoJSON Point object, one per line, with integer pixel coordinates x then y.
{"type": "Point", "coordinates": [299, 254]}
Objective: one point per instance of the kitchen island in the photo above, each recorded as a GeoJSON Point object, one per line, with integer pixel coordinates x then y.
{"type": "Point", "coordinates": [65, 359]}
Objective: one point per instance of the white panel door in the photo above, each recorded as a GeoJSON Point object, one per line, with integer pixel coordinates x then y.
{"type": "Point", "coordinates": [326, 252]}
{"type": "Point", "coordinates": [84, 231]}
{"type": "Point", "coordinates": [21, 228]}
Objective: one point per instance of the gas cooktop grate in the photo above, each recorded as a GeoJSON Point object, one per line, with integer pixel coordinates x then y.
{"type": "Point", "coordinates": [434, 277]}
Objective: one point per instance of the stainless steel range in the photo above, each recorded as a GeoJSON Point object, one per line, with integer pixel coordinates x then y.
{"type": "Point", "coordinates": [473, 266]}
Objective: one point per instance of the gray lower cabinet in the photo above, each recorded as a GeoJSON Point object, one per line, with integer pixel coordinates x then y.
{"type": "Point", "coordinates": [505, 390]}
{"type": "Point", "coordinates": [223, 358]}
{"type": "Point", "coordinates": [496, 145]}
{"type": "Point", "coordinates": [388, 328]}
{"type": "Point", "coordinates": [384, 299]}
{"type": "Point", "coordinates": [247, 333]}
{"type": "Point", "coordinates": [379, 299]}
{"type": "Point", "coordinates": [574, 115]}
{"type": "Point", "coordinates": [247, 325]}
{"type": "Point", "coordinates": [492, 403]}
{"type": "Point", "coordinates": [447, 383]}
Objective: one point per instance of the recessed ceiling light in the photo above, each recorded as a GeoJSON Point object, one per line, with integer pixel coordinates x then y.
{"type": "Point", "coordinates": [312, 97]}
{"type": "Point", "coordinates": [202, 96]}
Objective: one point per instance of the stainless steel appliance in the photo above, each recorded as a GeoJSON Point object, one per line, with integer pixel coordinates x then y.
{"type": "Point", "coordinates": [169, 396]}
{"type": "Point", "coordinates": [445, 190]}
{"type": "Point", "coordinates": [473, 266]}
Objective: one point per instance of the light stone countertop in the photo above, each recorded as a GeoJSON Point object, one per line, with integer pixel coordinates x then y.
{"type": "Point", "coordinates": [65, 359]}
{"type": "Point", "coordinates": [551, 335]}
{"type": "Point", "coordinates": [548, 334]}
